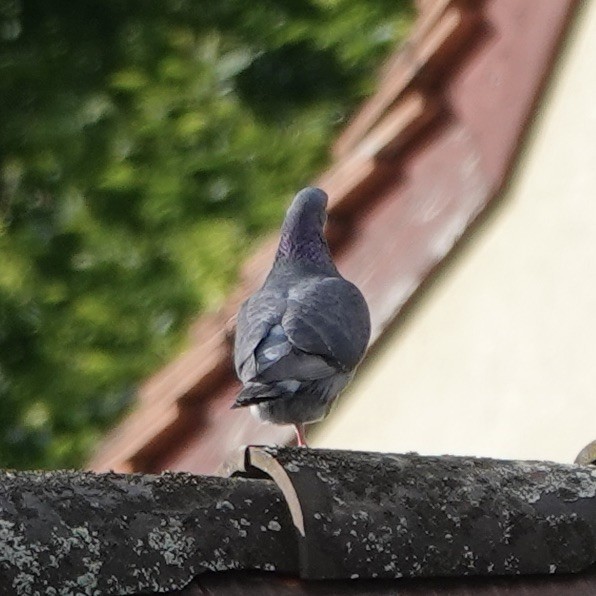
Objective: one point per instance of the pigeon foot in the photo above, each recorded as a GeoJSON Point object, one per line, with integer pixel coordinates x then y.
{"type": "Point", "coordinates": [300, 435]}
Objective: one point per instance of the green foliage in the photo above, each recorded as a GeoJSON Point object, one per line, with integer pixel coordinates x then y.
{"type": "Point", "coordinates": [143, 146]}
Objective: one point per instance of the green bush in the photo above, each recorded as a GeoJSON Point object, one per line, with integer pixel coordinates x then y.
{"type": "Point", "coordinates": [143, 147]}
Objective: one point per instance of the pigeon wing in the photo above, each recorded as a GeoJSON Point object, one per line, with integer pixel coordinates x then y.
{"type": "Point", "coordinates": [256, 317]}
{"type": "Point", "coordinates": [328, 317]}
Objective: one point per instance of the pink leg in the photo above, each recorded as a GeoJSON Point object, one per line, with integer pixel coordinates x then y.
{"type": "Point", "coordinates": [300, 435]}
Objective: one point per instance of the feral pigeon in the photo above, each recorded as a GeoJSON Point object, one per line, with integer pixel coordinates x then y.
{"type": "Point", "coordinates": [301, 336]}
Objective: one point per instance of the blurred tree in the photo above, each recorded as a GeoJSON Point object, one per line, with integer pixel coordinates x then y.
{"type": "Point", "coordinates": [143, 145]}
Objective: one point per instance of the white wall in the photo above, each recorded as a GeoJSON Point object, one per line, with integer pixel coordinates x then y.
{"type": "Point", "coordinates": [499, 357]}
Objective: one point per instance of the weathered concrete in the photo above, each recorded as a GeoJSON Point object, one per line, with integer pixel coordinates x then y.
{"type": "Point", "coordinates": [383, 515]}
{"type": "Point", "coordinates": [314, 514]}
{"type": "Point", "coordinates": [81, 533]}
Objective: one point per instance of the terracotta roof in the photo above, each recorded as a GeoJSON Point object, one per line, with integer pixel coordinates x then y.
{"type": "Point", "coordinates": [304, 515]}
{"type": "Point", "coordinates": [411, 172]}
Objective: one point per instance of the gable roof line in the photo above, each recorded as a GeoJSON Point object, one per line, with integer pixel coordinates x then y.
{"type": "Point", "coordinates": [441, 30]}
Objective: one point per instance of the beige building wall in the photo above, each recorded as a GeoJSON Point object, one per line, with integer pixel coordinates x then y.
{"type": "Point", "coordinates": [498, 358]}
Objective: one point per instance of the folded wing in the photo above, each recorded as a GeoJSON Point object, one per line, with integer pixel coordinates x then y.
{"type": "Point", "coordinates": [316, 329]}
{"type": "Point", "coordinates": [330, 318]}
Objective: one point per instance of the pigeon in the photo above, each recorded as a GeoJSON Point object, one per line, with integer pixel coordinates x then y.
{"type": "Point", "coordinates": [301, 336]}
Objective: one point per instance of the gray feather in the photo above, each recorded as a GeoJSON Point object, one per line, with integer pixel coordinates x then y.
{"type": "Point", "coordinates": [257, 316]}
{"type": "Point", "coordinates": [329, 317]}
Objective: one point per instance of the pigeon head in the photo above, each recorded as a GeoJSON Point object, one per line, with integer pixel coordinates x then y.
{"type": "Point", "coordinates": [302, 235]}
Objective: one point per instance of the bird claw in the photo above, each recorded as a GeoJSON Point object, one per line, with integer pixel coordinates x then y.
{"type": "Point", "coordinates": [300, 435]}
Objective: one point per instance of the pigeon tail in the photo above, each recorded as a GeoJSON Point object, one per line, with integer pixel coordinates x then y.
{"type": "Point", "coordinates": [255, 393]}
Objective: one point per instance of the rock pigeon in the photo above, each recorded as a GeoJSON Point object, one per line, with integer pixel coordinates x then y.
{"type": "Point", "coordinates": [301, 336]}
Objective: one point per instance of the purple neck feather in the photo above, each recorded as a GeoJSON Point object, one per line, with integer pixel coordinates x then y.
{"type": "Point", "coordinates": [302, 239]}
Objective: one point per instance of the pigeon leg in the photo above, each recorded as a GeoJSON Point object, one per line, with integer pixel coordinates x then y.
{"type": "Point", "coordinates": [300, 435]}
